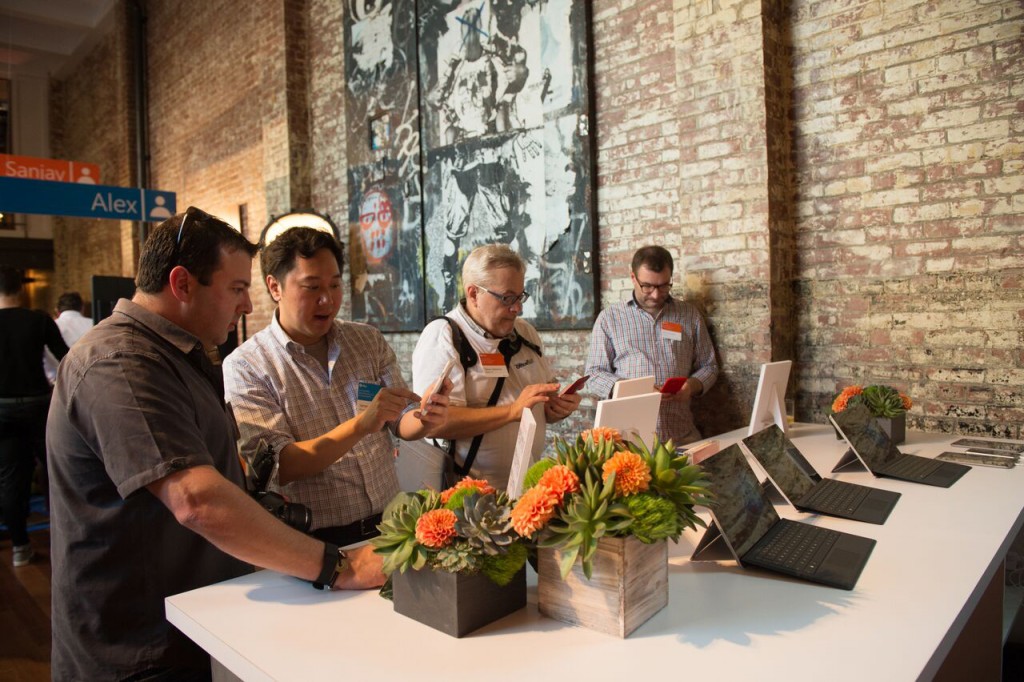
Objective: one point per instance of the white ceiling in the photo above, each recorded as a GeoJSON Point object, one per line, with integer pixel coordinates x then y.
{"type": "Point", "coordinates": [49, 37]}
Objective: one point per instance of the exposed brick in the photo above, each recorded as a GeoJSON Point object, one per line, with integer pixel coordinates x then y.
{"type": "Point", "coordinates": [887, 196]}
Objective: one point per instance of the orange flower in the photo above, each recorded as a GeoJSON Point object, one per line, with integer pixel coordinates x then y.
{"type": "Point", "coordinates": [436, 528]}
{"type": "Point", "coordinates": [843, 398]}
{"type": "Point", "coordinates": [534, 509]}
{"type": "Point", "coordinates": [907, 402]}
{"type": "Point", "coordinates": [560, 480]}
{"type": "Point", "coordinates": [632, 475]}
{"type": "Point", "coordinates": [482, 486]}
{"type": "Point", "coordinates": [600, 433]}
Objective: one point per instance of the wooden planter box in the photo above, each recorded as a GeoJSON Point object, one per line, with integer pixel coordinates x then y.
{"type": "Point", "coordinates": [628, 586]}
{"type": "Point", "coordinates": [454, 603]}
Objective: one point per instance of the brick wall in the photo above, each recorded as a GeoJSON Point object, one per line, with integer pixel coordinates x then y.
{"type": "Point", "coordinates": [218, 103]}
{"type": "Point", "coordinates": [909, 144]}
{"type": "Point", "coordinates": [839, 180]}
{"type": "Point", "coordinates": [92, 119]}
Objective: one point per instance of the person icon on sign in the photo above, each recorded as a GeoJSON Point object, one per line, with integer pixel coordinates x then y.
{"type": "Point", "coordinates": [85, 178]}
{"type": "Point", "coordinates": [159, 211]}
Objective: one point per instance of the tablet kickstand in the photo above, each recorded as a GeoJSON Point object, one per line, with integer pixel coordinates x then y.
{"type": "Point", "coordinates": [849, 460]}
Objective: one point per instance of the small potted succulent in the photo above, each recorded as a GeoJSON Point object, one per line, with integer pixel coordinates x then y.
{"type": "Point", "coordinates": [887, 405]}
{"type": "Point", "coordinates": [454, 559]}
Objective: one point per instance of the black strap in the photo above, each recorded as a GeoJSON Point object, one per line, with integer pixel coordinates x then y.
{"type": "Point", "coordinates": [329, 568]}
{"type": "Point", "coordinates": [507, 348]}
{"type": "Point", "coordinates": [467, 355]}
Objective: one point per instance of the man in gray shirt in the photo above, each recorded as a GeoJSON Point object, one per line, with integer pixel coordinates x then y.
{"type": "Point", "coordinates": [145, 481]}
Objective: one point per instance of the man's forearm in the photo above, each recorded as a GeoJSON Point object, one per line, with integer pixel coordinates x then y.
{"type": "Point", "coordinates": [309, 457]}
{"type": "Point", "coordinates": [411, 428]}
{"type": "Point", "coordinates": [467, 422]}
{"type": "Point", "coordinates": [207, 503]}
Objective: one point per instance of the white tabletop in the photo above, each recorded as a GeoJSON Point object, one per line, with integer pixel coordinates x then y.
{"type": "Point", "coordinates": [935, 555]}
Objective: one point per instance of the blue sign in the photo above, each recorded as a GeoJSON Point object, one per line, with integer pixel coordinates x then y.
{"type": "Point", "coordinates": [42, 197]}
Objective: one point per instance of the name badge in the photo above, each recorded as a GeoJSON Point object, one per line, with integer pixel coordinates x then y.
{"type": "Point", "coordinates": [673, 331]}
{"type": "Point", "coordinates": [493, 365]}
{"type": "Point", "coordinates": [367, 392]}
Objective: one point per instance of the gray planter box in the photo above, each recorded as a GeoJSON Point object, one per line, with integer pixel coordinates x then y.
{"type": "Point", "coordinates": [453, 603]}
{"type": "Point", "coordinates": [895, 428]}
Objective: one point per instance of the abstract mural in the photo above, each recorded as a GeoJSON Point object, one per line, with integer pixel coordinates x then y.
{"type": "Point", "coordinates": [497, 150]}
{"type": "Point", "coordinates": [385, 242]}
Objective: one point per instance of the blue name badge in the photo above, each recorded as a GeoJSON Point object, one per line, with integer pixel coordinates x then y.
{"type": "Point", "coordinates": [367, 392]}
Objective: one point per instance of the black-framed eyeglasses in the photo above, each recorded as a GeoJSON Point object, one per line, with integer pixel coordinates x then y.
{"type": "Point", "coordinates": [649, 288]}
{"type": "Point", "coordinates": [507, 300]}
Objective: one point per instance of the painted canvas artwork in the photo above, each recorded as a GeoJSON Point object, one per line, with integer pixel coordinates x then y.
{"type": "Point", "coordinates": [385, 241]}
{"type": "Point", "coordinates": [506, 149]}
{"type": "Point", "coordinates": [480, 136]}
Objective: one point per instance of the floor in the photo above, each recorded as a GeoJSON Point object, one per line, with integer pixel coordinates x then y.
{"type": "Point", "coordinates": [25, 606]}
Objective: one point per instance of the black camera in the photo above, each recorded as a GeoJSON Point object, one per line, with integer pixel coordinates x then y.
{"type": "Point", "coordinates": [296, 515]}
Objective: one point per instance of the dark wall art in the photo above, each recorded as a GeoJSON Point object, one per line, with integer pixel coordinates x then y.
{"type": "Point", "coordinates": [503, 154]}
{"type": "Point", "coordinates": [385, 242]}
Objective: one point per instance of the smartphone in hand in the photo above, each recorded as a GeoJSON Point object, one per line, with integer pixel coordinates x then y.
{"type": "Point", "coordinates": [439, 384]}
{"type": "Point", "coordinates": [575, 386]}
{"type": "Point", "coordinates": [673, 385]}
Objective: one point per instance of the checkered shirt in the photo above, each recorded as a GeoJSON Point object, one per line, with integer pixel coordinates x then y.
{"type": "Point", "coordinates": [281, 393]}
{"type": "Point", "coordinates": [628, 343]}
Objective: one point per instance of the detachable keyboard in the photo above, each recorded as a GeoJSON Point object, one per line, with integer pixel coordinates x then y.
{"type": "Point", "coordinates": [792, 547]}
{"type": "Point", "coordinates": [835, 497]}
{"type": "Point", "coordinates": [911, 467]}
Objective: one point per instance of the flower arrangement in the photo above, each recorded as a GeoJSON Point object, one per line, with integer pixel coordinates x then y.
{"type": "Point", "coordinates": [464, 529]}
{"type": "Point", "coordinates": [600, 486]}
{"type": "Point", "coordinates": [882, 401]}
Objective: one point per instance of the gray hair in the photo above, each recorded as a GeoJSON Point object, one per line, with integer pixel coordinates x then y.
{"type": "Point", "coordinates": [483, 260]}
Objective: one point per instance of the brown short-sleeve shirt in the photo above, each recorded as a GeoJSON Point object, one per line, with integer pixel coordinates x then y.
{"type": "Point", "coordinates": [136, 400]}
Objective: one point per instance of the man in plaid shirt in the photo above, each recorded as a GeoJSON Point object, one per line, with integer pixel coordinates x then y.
{"type": "Point", "coordinates": [654, 334]}
{"type": "Point", "coordinates": [327, 396]}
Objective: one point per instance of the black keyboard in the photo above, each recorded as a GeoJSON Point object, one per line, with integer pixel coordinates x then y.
{"type": "Point", "coordinates": [912, 467]}
{"type": "Point", "coordinates": [792, 547]}
{"type": "Point", "coordinates": [835, 497]}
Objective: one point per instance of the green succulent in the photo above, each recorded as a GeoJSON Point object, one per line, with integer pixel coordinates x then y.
{"type": "Point", "coordinates": [586, 517]}
{"type": "Point", "coordinates": [458, 557]}
{"type": "Point", "coordinates": [585, 455]}
{"type": "Point", "coordinates": [675, 479]}
{"type": "Point", "coordinates": [397, 539]}
{"type": "Point", "coordinates": [883, 401]}
{"type": "Point", "coordinates": [485, 522]}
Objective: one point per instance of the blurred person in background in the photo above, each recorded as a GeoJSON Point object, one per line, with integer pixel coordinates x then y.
{"type": "Point", "coordinates": [24, 402]}
{"type": "Point", "coordinates": [72, 324]}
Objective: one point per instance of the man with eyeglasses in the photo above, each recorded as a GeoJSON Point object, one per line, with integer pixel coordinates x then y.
{"type": "Point", "coordinates": [327, 395]}
{"type": "Point", "coordinates": [653, 333]}
{"type": "Point", "coordinates": [145, 480]}
{"type": "Point", "coordinates": [499, 368]}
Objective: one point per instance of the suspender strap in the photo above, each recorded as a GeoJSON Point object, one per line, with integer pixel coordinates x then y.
{"type": "Point", "coordinates": [478, 438]}
{"type": "Point", "coordinates": [468, 357]}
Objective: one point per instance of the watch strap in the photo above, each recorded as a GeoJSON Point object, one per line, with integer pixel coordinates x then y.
{"type": "Point", "coordinates": [333, 561]}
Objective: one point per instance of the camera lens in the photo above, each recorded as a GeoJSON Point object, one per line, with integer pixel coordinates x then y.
{"type": "Point", "coordinates": [297, 516]}
{"type": "Point", "coordinates": [294, 514]}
